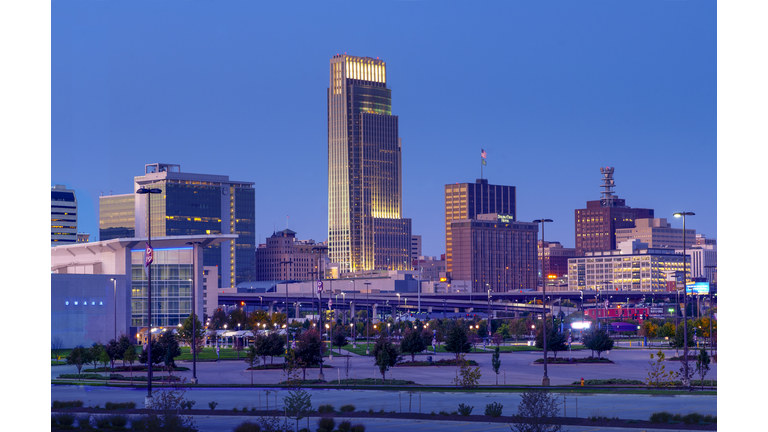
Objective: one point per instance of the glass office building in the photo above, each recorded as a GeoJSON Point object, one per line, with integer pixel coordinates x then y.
{"type": "Point", "coordinates": [366, 230]}
{"type": "Point", "coordinates": [116, 217]}
{"type": "Point", "coordinates": [171, 287]}
{"type": "Point", "coordinates": [63, 216]}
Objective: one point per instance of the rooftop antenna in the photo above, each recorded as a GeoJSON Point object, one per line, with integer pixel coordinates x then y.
{"type": "Point", "coordinates": [606, 196]}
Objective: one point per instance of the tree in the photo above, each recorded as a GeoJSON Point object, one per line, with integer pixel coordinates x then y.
{"type": "Point", "coordinates": [261, 345]}
{"type": "Point", "coordinates": [94, 352]}
{"type": "Point", "coordinates": [252, 358]}
{"type": "Point", "coordinates": [520, 327]}
{"type": "Point", "coordinates": [185, 333]}
{"type": "Point", "coordinates": [598, 340]}
{"type": "Point", "coordinates": [235, 317]}
{"type": "Point", "coordinates": [171, 348]}
{"type": "Point", "coordinates": [164, 415]}
{"type": "Point", "coordinates": [679, 340]}
{"type": "Point", "coordinates": [78, 357]}
{"type": "Point", "coordinates": [702, 365]}
{"type": "Point", "coordinates": [466, 377]}
{"type": "Point", "coordinates": [386, 354]}
{"type": "Point", "coordinates": [298, 404]}
{"type": "Point", "coordinates": [496, 363]}
{"type": "Point", "coordinates": [275, 345]}
{"type": "Point", "coordinates": [667, 330]}
{"type": "Point", "coordinates": [124, 342]}
{"type": "Point", "coordinates": [657, 375]}
{"type": "Point", "coordinates": [457, 341]}
{"type": "Point", "coordinates": [556, 341]}
{"type": "Point", "coordinates": [104, 359]}
{"type": "Point", "coordinates": [426, 338]}
{"type": "Point", "coordinates": [114, 352]}
{"type": "Point", "coordinates": [339, 337]}
{"type": "Point", "coordinates": [309, 349]}
{"type": "Point", "coordinates": [534, 412]}
{"type": "Point", "coordinates": [130, 356]}
{"type": "Point", "coordinates": [412, 343]}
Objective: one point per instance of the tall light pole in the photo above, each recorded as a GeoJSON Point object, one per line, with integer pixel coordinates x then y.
{"type": "Point", "coordinates": [685, 298]}
{"type": "Point", "coordinates": [709, 279]}
{"type": "Point", "coordinates": [149, 191]}
{"type": "Point", "coordinates": [114, 300]}
{"type": "Point", "coordinates": [489, 313]}
{"type": "Point", "coordinates": [545, 379]}
{"type": "Point", "coordinates": [368, 321]}
{"type": "Point", "coordinates": [194, 311]}
{"type": "Point", "coordinates": [320, 376]}
{"type": "Point", "coordinates": [286, 291]}
{"type": "Point", "coordinates": [354, 318]}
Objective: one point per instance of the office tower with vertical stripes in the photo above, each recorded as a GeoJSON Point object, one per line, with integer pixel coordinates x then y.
{"type": "Point", "coordinates": [366, 228]}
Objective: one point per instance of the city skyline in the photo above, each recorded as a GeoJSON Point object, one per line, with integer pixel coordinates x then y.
{"type": "Point", "coordinates": [551, 94]}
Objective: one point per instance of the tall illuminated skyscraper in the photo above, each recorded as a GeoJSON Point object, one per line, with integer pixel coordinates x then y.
{"type": "Point", "coordinates": [366, 228]}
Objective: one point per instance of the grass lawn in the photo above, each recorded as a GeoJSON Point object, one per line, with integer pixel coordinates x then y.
{"type": "Point", "coordinates": [62, 353]}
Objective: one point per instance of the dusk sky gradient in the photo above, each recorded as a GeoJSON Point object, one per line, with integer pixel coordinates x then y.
{"type": "Point", "coordinates": [551, 90]}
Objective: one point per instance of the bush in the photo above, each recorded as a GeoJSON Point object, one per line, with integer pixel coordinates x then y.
{"type": "Point", "coordinates": [212, 405]}
{"type": "Point", "coordinates": [535, 410]}
{"type": "Point", "coordinates": [661, 417]}
{"type": "Point", "coordinates": [359, 427]}
{"type": "Point", "coordinates": [465, 410]}
{"type": "Point", "coordinates": [693, 418]}
{"type": "Point", "coordinates": [247, 426]}
{"type": "Point", "coordinates": [120, 405]}
{"type": "Point", "coordinates": [118, 420]}
{"type": "Point", "coordinates": [63, 419]}
{"type": "Point", "coordinates": [493, 409]}
{"type": "Point", "coordinates": [103, 422]}
{"type": "Point", "coordinates": [68, 404]}
{"type": "Point", "coordinates": [187, 404]}
{"type": "Point", "coordinates": [347, 408]}
{"type": "Point", "coordinates": [345, 426]}
{"type": "Point", "coordinates": [710, 419]}
{"type": "Point", "coordinates": [327, 423]}
{"type": "Point", "coordinates": [327, 408]}
{"type": "Point", "coordinates": [84, 422]}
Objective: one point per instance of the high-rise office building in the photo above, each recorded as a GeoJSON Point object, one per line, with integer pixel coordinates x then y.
{"type": "Point", "coordinates": [415, 247]}
{"type": "Point", "coordinates": [467, 200]}
{"type": "Point", "coordinates": [658, 233]}
{"type": "Point", "coordinates": [495, 252]}
{"type": "Point", "coordinates": [596, 225]}
{"type": "Point", "coordinates": [193, 204]}
{"type": "Point", "coordinates": [283, 257]}
{"type": "Point", "coordinates": [117, 216]}
{"type": "Point", "coordinates": [63, 216]}
{"type": "Point", "coordinates": [366, 228]}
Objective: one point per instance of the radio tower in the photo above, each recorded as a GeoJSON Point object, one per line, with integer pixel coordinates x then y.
{"type": "Point", "coordinates": [608, 198]}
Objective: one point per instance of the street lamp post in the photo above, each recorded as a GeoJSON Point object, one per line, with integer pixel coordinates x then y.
{"type": "Point", "coordinates": [286, 291]}
{"type": "Point", "coordinates": [685, 299]}
{"type": "Point", "coordinates": [114, 300]}
{"type": "Point", "coordinates": [354, 318]}
{"type": "Point", "coordinates": [545, 379]}
{"type": "Point", "coordinates": [489, 314]}
{"type": "Point", "coordinates": [149, 191]}
{"type": "Point", "coordinates": [194, 312]}
{"type": "Point", "coordinates": [709, 278]}
{"type": "Point", "coordinates": [368, 320]}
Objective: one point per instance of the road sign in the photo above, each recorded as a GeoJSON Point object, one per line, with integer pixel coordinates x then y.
{"type": "Point", "coordinates": [319, 286]}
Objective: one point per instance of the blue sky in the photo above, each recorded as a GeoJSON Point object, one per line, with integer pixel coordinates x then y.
{"type": "Point", "coordinates": [551, 90]}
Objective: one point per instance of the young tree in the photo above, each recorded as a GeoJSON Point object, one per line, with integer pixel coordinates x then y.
{"type": "Point", "coordinates": [104, 359]}
{"type": "Point", "coordinates": [426, 338]}
{"type": "Point", "coordinates": [275, 345]}
{"type": "Point", "coordinates": [535, 411]}
{"type": "Point", "coordinates": [679, 339]}
{"type": "Point", "coordinates": [457, 342]}
{"type": "Point", "coordinates": [657, 375]}
{"type": "Point", "coordinates": [114, 352]}
{"type": "Point", "coordinates": [309, 349]}
{"type": "Point", "coordinates": [130, 356]}
{"type": "Point", "coordinates": [78, 357]}
{"type": "Point", "coordinates": [702, 365]}
{"type": "Point", "coordinates": [556, 341]}
{"type": "Point", "coordinates": [496, 363]}
{"type": "Point", "coordinates": [171, 348]}
{"type": "Point", "coordinates": [124, 342]}
{"type": "Point", "coordinates": [598, 340]}
{"type": "Point", "coordinates": [412, 343]}
{"type": "Point", "coordinates": [185, 333]}
{"type": "Point", "coordinates": [261, 344]}
{"type": "Point", "coordinates": [252, 358]}
{"type": "Point", "coordinates": [466, 377]}
{"type": "Point", "coordinates": [339, 337]}
{"type": "Point", "coordinates": [94, 353]}
{"type": "Point", "coordinates": [298, 404]}
{"type": "Point", "coordinates": [386, 354]}
{"type": "Point", "coordinates": [667, 330]}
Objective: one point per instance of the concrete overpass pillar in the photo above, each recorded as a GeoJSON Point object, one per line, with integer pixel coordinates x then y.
{"type": "Point", "coordinates": [271, 308]}
{"type": "Point", "coordinates": [374, 313]}
{"type": "Point", "coordinates": [456, 310]}
{"type": "Point", "coordinates": [352, 310]}
{"type": "Point", "coordinates": [296, 309]}
{"type": "Point", "coordinates": [429, 309]}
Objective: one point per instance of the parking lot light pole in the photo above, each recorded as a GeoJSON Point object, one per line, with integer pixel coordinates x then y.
{"type": "Point", "coordinates": [149, 192]}
{"type": "Point", "coordinates": [368, 320]}
{"type": "Point", "coordinates": [545, 379]}
{"type": "Point", "coordinates": [685, 299]}
{"type": "Point", "coordinates": [194, 312]}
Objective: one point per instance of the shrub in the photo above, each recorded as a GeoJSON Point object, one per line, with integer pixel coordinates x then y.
{"type": "Point", "coordinates": [327, 408]}
{"type": "Point", "coordinates": [103, 422]}
{"type": "Point", "coordinates": [245, 409]}
{"type": "Point", "coordinates": [120, 405]}
{"type": "Point", "coordinates": [710, 419]}
{"type": "Point", "coordinates": [84, 422]}
{"type": "Point", "coordinates": [63, 419]}
{"type": "Point", "coordinates": [139, 424]}
{"type": "Point", "coordinates": [445, 413]}
{"type": "Point", "coordinates": [347, 408]}
{"type": "Point", "coordinates": [118, 420]}
{"type": "Point", "coordinates": [327, 423]}
{"type": "Point", "coordinates": [68, 404]}
{"type": "Point", "coordinates": [234, 409]}
{"type": "Point", "coordinates": [693, 418]}
{"type": "Point", "coordinates": [359, 427]}
{"type": "Point", "coordinates": [345, 426]}
{"type": "Point", "coordinates": [212, 405]}
{"type": "Point", "coordinates": [660, 417]}
{"type": "Point", "coordinates": [535, 410]}
{"type": "Point", "coordinates": [187, 404]}
{"type": "Point", "coordinates": [247, 426]}
{"type": "Point", "coordinates": [493, 409]}
{"type": "Point", "coordinates": [465, 410]}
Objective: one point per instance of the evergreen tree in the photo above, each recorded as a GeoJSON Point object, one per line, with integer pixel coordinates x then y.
{"type": "Point", "coordinates": [171, 348]}
{"type": "Point", "coordinates": [386, 354]}
{"type": "Point", "coordinates": [412, 343]}
{"type": "Point", "coordinates": [598, 340]}
{"type": "Point", "coordinates": [496, 363]}
{"type": "Point", "coordinates": [678, 341]}
{"type": "Point", "coordinates": [185, 333]}
{"type": "Point", "coordinates": [457, 341]}
{"type": "Point", "coordinates": [702, 365]}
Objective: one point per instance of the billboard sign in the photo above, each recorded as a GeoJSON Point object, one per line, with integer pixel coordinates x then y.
{"type": "Point", "coordinates": [697, 288]}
